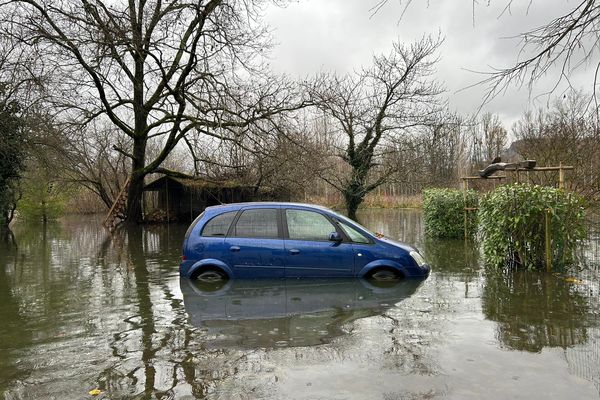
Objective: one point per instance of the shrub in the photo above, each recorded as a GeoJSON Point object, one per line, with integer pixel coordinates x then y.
{"type": "Point", "coordinates": [42, 199]}
{"type": "Point", "coordinates": [512, 220]}
{"type": "Point", "coordinates": [444, 212]}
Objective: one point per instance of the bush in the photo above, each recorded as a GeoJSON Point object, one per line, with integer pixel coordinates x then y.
{"type": "Point", "coordinates": [42, 199]}
{"type": "Point", "coordinates": [512, 220]}
{"type": "Point", "coordinates": [444, 212]}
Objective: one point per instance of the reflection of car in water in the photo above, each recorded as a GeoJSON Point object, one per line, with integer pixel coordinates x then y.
{"type": "Point", "coordinates": [266, 313]}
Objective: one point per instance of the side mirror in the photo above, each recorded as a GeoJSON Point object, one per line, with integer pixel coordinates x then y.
{"type": "Point", "coordinates": [335, 237]}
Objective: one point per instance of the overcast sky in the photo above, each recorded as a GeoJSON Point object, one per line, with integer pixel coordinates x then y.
{"type": "Point", "coordinates": [340, 35]}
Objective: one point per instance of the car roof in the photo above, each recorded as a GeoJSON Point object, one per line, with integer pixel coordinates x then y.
{"type": "Point", "coordinates": [237, 206]}
{"type": "Point", "coordinates": [211, 211]}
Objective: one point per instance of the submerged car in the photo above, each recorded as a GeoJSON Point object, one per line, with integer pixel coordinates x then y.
{"type": "Point", "coordinates": [289, 240]}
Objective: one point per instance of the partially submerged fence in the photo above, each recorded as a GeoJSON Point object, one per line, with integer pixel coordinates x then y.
{"type": "Point", "coordinates": [515, 173]}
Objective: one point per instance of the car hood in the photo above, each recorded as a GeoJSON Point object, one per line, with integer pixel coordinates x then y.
{"type": "Point", "coordinates": [395, 243]}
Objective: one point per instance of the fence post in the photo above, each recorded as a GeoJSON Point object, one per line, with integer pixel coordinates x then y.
{"type": "Point", "coordinates": [561, 176]}
{"type": "Point", "coordinates": [465, 188]}
{"type": "Point", "coordinates": [548, 238]}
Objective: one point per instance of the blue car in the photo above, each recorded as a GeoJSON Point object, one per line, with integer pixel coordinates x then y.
{"type": "Point", "coordinates": [288, 240]}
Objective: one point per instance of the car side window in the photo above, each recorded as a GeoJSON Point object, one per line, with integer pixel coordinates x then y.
{"type": "Point", "coordinates": [257, 223]}
{"type": "Point", "coordinates": [353, 234]}
{"type": "Point", "coordinates": [219, 225]}
{"type": "Point", "coordinates": [308, 225]}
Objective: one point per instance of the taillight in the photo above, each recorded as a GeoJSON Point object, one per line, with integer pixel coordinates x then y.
{"type": "Point", "coordinates": [183, 258]}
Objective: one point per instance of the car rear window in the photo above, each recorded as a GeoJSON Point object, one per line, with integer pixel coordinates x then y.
{"type": "Point", "coordinates": [257, 223]}
{"type": "Point", "coordinates": [192, 225]}
{"type": "Point", "coordinates": [219, 225]}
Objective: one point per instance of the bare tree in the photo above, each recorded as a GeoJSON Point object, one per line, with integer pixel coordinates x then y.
{"type": "Point", "coordinates": [568, 132]}
{"type": "Point", "coordinates": [567, 42]}
{"type": "Point", "coordinates": [494, 136]}
{"type": "Point", "coordinates": [488, 139]}
{"type": "Point", "coordinates": [389, 98]}
{"type": "Point", "coordinates": [443, 145]}
{"type": "Point", "coordinates": [156, 70]}
{"type": "Point", "coordinates": [280, 158]}
{"type": "Point", "coordinates": [90, 161]}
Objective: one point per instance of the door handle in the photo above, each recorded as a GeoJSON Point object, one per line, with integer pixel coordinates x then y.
{"type": "Point", "coordinates": [234, 248]}
{"type": "Point", "coordinates": [294, 252]}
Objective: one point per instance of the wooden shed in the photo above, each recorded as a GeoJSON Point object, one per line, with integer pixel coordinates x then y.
{"type": "Point", "coordinates": [172, 198]}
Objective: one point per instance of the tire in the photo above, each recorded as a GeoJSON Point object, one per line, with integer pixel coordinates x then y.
{"type": "Point", "coordinates": [385, 275]}
{"type": "Point", "coordinates": [210, 275]}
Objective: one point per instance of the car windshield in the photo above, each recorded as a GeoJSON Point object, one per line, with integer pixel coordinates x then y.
{"type": "Point", "coordinates": [352, 223]}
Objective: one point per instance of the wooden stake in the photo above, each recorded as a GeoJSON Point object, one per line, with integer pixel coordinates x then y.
{"type": "Point", "coordinates": [548, 246]}
{"type": "Point", "coordinates": [465, 188]}
{"type": "Point", "coordinates": [561, 176]}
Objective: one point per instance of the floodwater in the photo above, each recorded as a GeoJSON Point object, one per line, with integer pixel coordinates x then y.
{"type": "Point", "coordinates": [80, 310]}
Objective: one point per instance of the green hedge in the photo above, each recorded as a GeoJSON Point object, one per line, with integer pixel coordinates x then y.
{"type": "Point", "coordinates": [512, 220]}
{"type": "Point", "coordinates": [444, 212]}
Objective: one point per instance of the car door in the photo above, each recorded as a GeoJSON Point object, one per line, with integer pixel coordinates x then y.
{"type": "Point", "coordinates": [254, 244]}
{"type": "Point", "coordinates": [308, 250]}
{"type": "Point", "coordinates": [363, 247]}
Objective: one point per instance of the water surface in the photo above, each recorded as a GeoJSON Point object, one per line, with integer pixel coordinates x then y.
{"type": "Point", "coordinates": [81, 310]}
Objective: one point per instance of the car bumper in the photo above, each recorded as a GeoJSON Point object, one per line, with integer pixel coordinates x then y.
{"type": "Point", "coordinates": [184, 268]}
{"type": "Point", "coordinates": [425, 270]}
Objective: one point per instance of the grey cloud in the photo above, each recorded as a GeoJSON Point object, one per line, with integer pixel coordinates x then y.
{"type": "Point", "coordinates": [341, 35]}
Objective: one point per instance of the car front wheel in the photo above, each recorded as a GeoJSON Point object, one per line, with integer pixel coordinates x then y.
{"type": "Point", "coordinates": [211, 275]}
{"type": "Point", "coordinates": [385, 275]}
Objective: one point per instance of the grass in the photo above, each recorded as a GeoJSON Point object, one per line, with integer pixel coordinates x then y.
{"type": "Point", "coordinates": [384, 201]}
{"type": "Point", "coordinates": [371, 201]}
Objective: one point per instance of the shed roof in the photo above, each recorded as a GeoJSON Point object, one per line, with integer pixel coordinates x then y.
{"type": "Point", "coordinates": [196, 183]}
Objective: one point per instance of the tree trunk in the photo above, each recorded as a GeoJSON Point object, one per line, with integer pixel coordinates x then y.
{"type": "Point", "coordinates": [353, 196]}
{"type": "Point", "coordinates": [134, 198]}
{"type": "Point", "coordinates": [136, 182]}
{"type": "Point", "coordinates": [355, 190]}
{"type": "Point", "coordinates": [352, 204]}
{"type": "Point", "coordinates": [140, 137]}
{"type": "Point", "coordinates": [4, 222]}
{"type": "Point", "coordinates": [8, 214]}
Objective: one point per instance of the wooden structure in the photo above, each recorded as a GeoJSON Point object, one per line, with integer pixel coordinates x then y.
{"type": "Point", "coordinates": [117, 214]}
{"type": "Point", "coordinates": [182, 199]}
{"type": "Point", "coordinates": [518, 171]}
{"type": "Point", "coordinates": [171, 198]}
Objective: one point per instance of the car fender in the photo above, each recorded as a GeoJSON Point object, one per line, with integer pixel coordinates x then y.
{"type": "Point", "coordinates": [213, 262]}
{"type": "Point", "coordinates": [382, 263]}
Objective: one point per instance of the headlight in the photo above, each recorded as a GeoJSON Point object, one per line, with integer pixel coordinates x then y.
{"type": "Point", "coordinates": [418, 258]}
